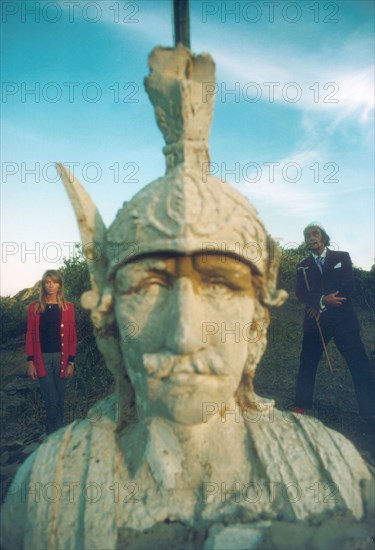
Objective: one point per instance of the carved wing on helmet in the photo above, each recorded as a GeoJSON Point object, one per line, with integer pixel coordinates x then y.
{"type": "Point", "coordinates": [92, 231]}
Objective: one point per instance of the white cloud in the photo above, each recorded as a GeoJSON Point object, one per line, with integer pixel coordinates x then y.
{"type": "Point", "coordinates": [297, 198]}
{"type": "Point", "coordinates": [334, 87]}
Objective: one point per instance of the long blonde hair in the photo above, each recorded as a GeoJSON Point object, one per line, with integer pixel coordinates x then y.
{"type": "Point", "coordinates": [56, 278]}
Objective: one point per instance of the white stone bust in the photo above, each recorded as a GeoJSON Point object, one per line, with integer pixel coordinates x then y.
{"type": "Point", "coordinates": [199, 450]}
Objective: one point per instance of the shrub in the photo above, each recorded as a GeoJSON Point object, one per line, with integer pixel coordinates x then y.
{"type": "Point", "coordinates": [13, 318]}
{"type": "Point", "coordinates": [92, 378]}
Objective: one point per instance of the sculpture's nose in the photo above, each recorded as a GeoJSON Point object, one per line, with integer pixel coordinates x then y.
{"type": "Point", "coordinates": [184, 335]}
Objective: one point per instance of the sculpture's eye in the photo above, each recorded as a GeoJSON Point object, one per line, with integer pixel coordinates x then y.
{"type": "Point", "coordinates": [228, 285]}
{"type": "Point", "coordinates": [154, 280]}
{"type": "Point", "coordinates": [219, 284]}
{"type": "Point", "coordinates": [145, 284]}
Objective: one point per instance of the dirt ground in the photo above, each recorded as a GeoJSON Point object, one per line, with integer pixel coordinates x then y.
{"type": "Point", "coordinates": [22, 424]}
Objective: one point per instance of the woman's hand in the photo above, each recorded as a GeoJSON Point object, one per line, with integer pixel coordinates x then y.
{"type": "Point", "coordinates": [31, 371]}
{"type": "Point", "coordinates": [69, 371]}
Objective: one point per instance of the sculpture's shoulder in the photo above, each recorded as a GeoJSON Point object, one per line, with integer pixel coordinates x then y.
{"type": "Point", "coordinates": [14, 510]}
{"type": "Point", "coordinates": [55, 477]}
{"type": "Point", "coordinates": [318, 469]}
{"type": "Point", "coordinates": [72, 446]}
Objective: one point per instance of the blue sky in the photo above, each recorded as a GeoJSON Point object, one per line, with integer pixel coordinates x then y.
{"type": "Point", "coordinates": [295, 135]}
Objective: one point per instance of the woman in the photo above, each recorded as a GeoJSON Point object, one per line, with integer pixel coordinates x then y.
{"type": "Point", "coordinates": [51, 345]}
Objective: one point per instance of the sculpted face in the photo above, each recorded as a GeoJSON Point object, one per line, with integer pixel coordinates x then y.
{"type": "Point", "coordinates": [182, 321]}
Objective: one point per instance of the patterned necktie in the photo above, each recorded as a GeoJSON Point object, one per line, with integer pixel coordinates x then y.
{"type": "Point", "coordinates": [319, 263]}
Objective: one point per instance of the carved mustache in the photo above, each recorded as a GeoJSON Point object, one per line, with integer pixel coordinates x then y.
{"type": "Point", "coordinates": [163, 365]}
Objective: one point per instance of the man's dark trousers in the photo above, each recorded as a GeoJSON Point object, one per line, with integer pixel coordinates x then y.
{"type": "Point", "coordinates": [352, 349]}
{"type": "Point", "coordinates": [339, 323]}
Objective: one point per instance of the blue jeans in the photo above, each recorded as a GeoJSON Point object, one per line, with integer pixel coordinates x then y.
{"type": "Point", "coordinates": [53, 391]}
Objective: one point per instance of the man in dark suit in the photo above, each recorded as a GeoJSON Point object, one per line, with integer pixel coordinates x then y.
{"type": "Point", "coordinates": [324, 284]}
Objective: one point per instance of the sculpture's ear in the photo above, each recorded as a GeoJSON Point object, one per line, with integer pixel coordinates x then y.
{"type": "Point", "coordinates": [93, 235]}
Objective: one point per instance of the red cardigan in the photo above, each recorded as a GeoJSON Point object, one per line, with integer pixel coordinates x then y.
{"type": "Point", "coordinates": [67, 332]}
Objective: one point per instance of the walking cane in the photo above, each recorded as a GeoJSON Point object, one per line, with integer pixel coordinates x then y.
{"type": "Point", "coordinates": [317, 323]}
{"type": "Point", "coordinates": [324, 344]}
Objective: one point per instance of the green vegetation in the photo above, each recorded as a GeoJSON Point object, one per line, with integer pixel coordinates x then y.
{"type": "Point", "coordinates": [13, 319]}
{"type": "Point", "coordinates": [276, 373]}
{"type": "Point", "coordinates": [92, 380]}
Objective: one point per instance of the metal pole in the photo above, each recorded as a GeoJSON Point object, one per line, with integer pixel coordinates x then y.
{"type": "Point", "coordinates": [181, 21]}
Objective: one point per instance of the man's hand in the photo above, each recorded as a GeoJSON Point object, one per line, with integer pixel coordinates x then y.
{"type": "Point", "coordinates": [313, 313]}
{"type": "Point", "coordinates": [69, 371]}
{"type": "Point", "coordinates": [31, 371]}
{"type": "Point", "coordinates": [333, 299]}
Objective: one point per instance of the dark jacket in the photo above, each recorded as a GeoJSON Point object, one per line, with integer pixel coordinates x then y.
{"type": "Point", "coordinates": [67, 333]}
{"type": "Point", "coordinates": [337, 275]}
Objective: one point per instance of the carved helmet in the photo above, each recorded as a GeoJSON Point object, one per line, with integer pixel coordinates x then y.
{"type": "Point", "coordinates": [187, 210]}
